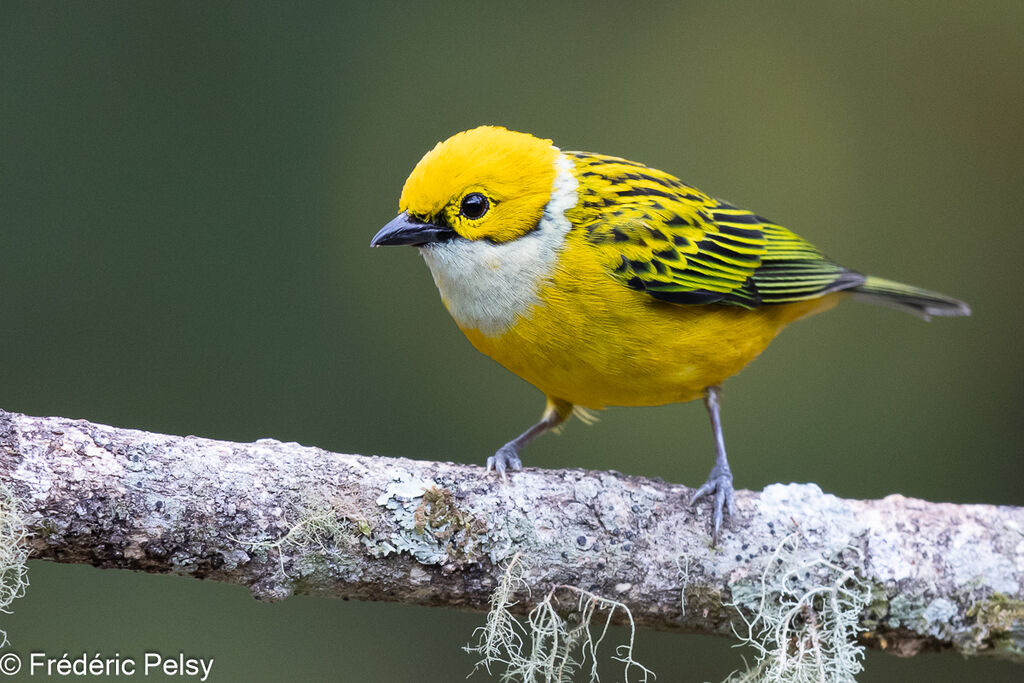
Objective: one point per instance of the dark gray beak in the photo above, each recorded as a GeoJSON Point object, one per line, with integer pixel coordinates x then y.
{"type": "Point", "coordinates": [405, 229]}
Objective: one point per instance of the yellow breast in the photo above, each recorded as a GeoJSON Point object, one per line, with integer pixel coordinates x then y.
{"type": "Point", "coordinates": [590, 341]}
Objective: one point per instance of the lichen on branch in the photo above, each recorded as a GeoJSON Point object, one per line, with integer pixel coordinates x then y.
{"type": "Point", "coordinates": [282, 519]}
{"type": "Point", "coordinates": [13, 553]}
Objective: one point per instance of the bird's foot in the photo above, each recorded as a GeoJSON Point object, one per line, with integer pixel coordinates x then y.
{"type": "Point", "coordinates": [719, 483]}
{"type": "Point", "coordinates": [507, 458]}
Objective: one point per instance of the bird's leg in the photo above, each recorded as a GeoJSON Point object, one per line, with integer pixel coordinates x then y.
{"type": "Point", "coordinates": [507, 457]}
{"type": "Point", "coordinates": [720, 480]}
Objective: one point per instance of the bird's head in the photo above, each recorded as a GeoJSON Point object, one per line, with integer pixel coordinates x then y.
{"type": "Point", "coordinates": [488, 183]}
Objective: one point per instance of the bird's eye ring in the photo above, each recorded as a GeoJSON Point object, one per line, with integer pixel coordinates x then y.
{"type": "Point", "coordinates": [474, 205]}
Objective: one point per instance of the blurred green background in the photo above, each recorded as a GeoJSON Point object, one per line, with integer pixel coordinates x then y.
{"type": "Point", "coordinates": [187, 191]}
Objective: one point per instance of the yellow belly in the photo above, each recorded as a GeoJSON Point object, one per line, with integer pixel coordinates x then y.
{"type": "Point", "coordinates": [592, 342]}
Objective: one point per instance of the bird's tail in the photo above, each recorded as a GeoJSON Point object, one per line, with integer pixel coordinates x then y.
{"type": "Point", "coordinates": [920, 302]}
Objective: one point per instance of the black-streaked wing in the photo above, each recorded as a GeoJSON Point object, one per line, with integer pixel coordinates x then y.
{"type": "Point", "coordinates": [658, 235]}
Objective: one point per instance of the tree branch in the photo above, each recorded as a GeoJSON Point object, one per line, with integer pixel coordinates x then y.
{"type": "Point", "coordinates": [282, 519]}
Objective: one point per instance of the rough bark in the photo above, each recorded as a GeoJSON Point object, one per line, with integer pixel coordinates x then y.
{"type": "Point", "coordinates": [282, 519]}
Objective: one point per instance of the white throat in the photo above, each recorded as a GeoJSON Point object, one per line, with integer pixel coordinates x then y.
{"type": "Point", "coordinates": [488, 286]}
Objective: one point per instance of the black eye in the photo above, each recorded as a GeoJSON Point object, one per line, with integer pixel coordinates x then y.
{"type": "Point", "coordinates": [474, 205]}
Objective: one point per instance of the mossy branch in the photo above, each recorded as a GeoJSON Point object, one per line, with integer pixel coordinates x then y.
{"type": "Point", "coordinates": [283, 519]}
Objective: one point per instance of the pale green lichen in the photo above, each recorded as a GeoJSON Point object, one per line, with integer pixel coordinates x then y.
{"type": "Point", "coordinates": [802, 619]}
{"type": "Point", "coordinates": [13, 554]}
{"type": "Point", "coordinates": [549, 647]}
{"type": "Point", "coordinates": [999, 627]}
{"type": "Point", "coordinates": [322, 528]}
{"type": "Point", "coordinates": [934, 618]}
{"type": "Point", "coordinates": [401, 498]}
{"type": "Point", "coordinates": [432, 527]}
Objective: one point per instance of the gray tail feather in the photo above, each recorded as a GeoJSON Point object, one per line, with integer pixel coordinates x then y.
{"type": "Point", "coordinates": [921, 302]}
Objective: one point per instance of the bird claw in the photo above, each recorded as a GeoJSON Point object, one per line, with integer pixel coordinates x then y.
{"type": "Point", "coordinates": [505, 459]}
{"type": "Point", "coordinates": [720, 483]}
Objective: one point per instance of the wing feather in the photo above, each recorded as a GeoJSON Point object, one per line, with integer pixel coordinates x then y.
{"type": "Point", "coordinates": [677, 244]}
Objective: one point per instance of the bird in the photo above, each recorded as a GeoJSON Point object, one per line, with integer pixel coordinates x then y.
{"type": "Point", "coordinates": [605, 282]}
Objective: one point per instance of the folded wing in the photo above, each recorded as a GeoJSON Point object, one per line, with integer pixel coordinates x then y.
{"type": "Point", "coordinates": [658, 235]}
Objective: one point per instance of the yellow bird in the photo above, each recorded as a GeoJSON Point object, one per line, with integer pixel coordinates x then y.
{"type": "Point", "coordinates": [604, 282]}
